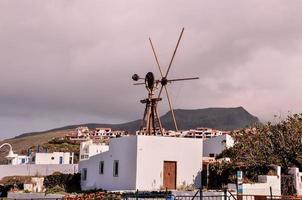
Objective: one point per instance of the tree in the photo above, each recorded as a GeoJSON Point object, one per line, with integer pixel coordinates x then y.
{"type": "Point", "coordinates": [266, 144]}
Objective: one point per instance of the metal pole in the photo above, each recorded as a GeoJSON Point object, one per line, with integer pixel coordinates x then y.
{"type": "Point", "coordinates": [271, 192]}
{"type": "Point", "coordinates": [200, 190]}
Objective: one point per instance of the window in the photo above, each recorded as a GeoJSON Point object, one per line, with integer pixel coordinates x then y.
{"type": "Point", "coordinates": [61, 160]}
{"type": "Point", "coordinates": [84, 174]}
{"type": "Point", "coordinates": [23, 160]}
{"type": "Point", "coordinates": [101, 167]}
{"type": "Point", "coordinates": [115, 168]}
{"type": "Point", "coordinates": [212, 155]}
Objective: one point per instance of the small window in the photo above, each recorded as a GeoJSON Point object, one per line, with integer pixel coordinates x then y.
{"type": "Point", "coordinates": [23, 160]}
{"type": "Point", "coordinates": [115, 168]}
{"type": "Point", "coordinates": [212, 155]}
{"type": "Point", "coordinates": [52, 158]}
{"type": "Point", "coordinates": [84, 174]}
{"type": "Point", "coordinates": [61, 160]}
{"type": "Point", "coordinates": [101, 167]}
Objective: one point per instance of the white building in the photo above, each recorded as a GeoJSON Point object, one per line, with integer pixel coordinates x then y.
{"type": "Point", "coordinates": [144, 163]}
{"type": "Point", "coordinates": [19, 160]}
{"type": "Point", "coordinates": [101, 132]}
{"type": "Point", "coordinates": [203, 132]}
{"type": "Point", "coordinates": [89, 148]}
{"type": "Point", "coordinates": [82, 131]}
{"type": "Point", "coordinates": [215, 145]}
{"type": "Point", "coordinates": [52, 158]}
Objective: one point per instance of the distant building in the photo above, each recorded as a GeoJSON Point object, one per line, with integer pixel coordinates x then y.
{"type": "Point", "coordinates": [19, 160]}
{"type": "Point", "coordinates": [89, 148]}
{"type": "Point", "coordinates": [144, 131]}
{"type": "Point", "coordinates": [204, 132]}
{"type": "Point", "coordinates": [215, 145]}
{"type": "Point", "coordinates": [107, 133]}
{"type": "Point", "coordinates": [101, 132]}
{"type": "Point", "coordinates": [82, 131]}
{"type": "Point", "coordinates": [144, 163]}
{"type": "Point", "coordinates": [80, 134]}
{"type": "Point", "coordinates": [52, 158]}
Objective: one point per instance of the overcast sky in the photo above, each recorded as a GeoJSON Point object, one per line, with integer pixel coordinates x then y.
{"type": "Point", "coordinates": [67, 62]}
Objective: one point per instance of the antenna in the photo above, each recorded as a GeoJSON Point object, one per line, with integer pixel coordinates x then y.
{"type": "Point", "coordinates": [151, 118]}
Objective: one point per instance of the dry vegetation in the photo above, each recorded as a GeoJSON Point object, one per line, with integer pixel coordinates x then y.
{"type": "Point", "coordinates": [26, 142]}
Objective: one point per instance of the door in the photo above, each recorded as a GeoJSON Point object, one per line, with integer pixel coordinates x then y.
{"type": "Point", "coordinates": [170, 174]}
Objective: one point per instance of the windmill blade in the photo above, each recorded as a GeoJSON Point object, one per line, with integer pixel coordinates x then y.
{"type": "Point", "coordinates": [156, 58]}
{"type": "Point", "coordinates": [183, 79]}
{"type": "Point", "coordinates": [138, 83]}
{"type": "Point", "coordinates": [171, 108]}
{"type": "Point", "coordinates": [174, 51]}
{"type": "Point", "coordinates": [160, 91]}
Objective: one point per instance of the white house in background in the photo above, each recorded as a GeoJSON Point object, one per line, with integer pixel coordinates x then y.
{"type": "Point", "coordinates": [89, 148]}
{"type": "Point", "coordinates": [107, 133]}
{"type": "Point", "coordinates": [82, 131]}
{"type": "Point", "coordinates": [19, 160]}
{"type": "Point", "coordinates": [101, 132]}
{"type": "Point", "coordinates": [52, 158]}
{"type": "Point", "coordinates": [144, 163]}
{"type": "Point", "coordinates": [42, 158]}
{"type": "Point", "coordinates": [203, 132]}
{"type": "Point", "coordinates": [215, 145]}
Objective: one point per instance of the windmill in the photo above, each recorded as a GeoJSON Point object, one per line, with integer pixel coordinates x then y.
{"type": "Point", "coordinates": [151, 119]}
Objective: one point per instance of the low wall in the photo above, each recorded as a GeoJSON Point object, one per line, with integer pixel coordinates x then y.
{"type": "Point", "coordinates": [36, 170]}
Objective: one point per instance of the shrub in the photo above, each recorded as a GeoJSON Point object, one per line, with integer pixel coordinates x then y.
{"type": "Point", "coordinates": [69, 182]}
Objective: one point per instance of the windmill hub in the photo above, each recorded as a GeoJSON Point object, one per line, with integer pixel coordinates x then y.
{"type": "Point", "coordinates": [164, 81]}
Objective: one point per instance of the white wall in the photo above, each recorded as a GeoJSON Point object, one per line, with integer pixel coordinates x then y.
{"type": "Point", "coordinates": [122, 149]}
{"type": "Point", "coordinates": [297, 179]}
{"type": "Point", "coordinates": [262, 187]}
{"type": "Point", "coordinates": [88, 149]}
{"type": "Point", "coordinates": [154, 150]}
{"type": "Point", "coordinates": [141, 161]}
{"type": "Point", "coordinates": [53, 158]}
{"type": "Point", "coordinates": [34, 170]}
{"type": "Point", "coordinates": [217, 144]}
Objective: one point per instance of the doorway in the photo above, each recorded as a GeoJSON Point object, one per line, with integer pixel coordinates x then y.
{"type": "Point", "coordinates": [170, 169]}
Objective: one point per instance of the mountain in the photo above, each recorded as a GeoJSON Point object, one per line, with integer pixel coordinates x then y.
{"type": "Point", "coordinates": [218, 118]}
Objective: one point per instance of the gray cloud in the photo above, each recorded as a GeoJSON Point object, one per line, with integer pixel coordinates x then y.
{"type": "Point", "coordinates": [65, 62]}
